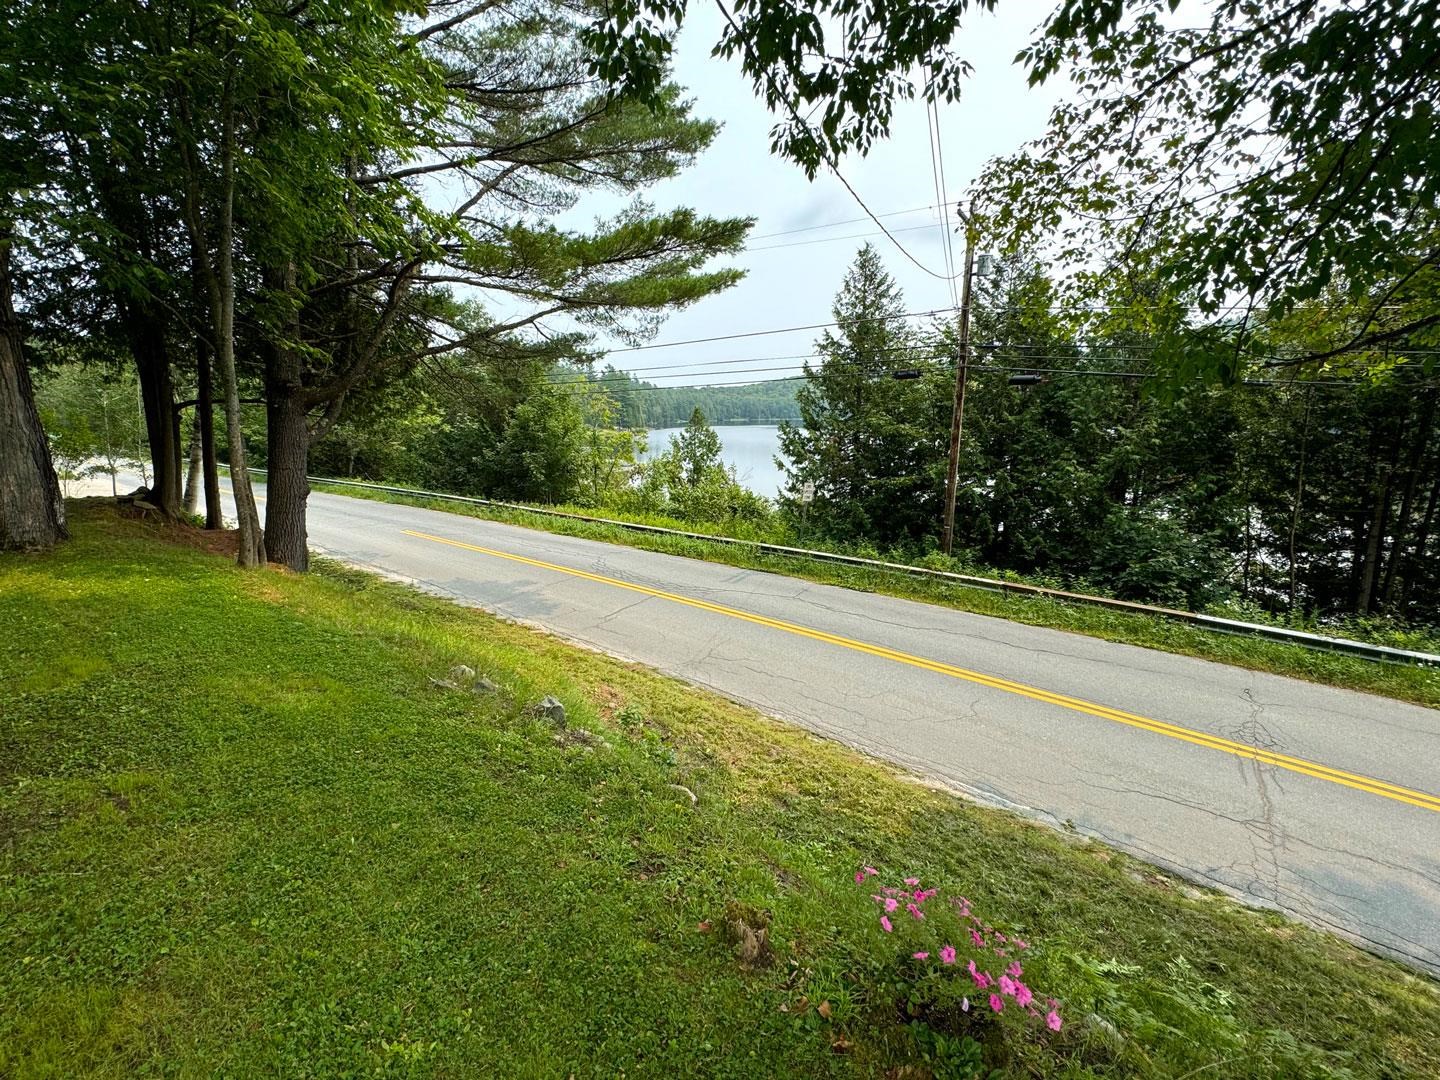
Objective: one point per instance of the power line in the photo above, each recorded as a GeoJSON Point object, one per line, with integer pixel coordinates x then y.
{"type": "Point", "coordinates": [1257, 383]}
{"type": "Point", "coordinates": [932, 119]}
{"type": "Point", "coordinates": [856, 196]}
{"type": "Point", "coordinates": [781, 330]}
{"type": "Point", "coordinates": [833, 165]}
{"type": "Point", "coordinates": [1110, 353]}
{"type": "Point", "coordinates": [837, 224]}
{"type": "Point", "coordinates": [1036, 309]}
{"type": "Point", "coordinates": [944, 190]}
{"type": "Point", "coordinates": [873, 367]}
{"type": "Point", "coordinates": [833, 239]}
{"type": "Point", "coordinates": [693, 364]}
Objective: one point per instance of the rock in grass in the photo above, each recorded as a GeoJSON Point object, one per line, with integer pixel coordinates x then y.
{"type": "Point", "coordinates": [461, 674]}
{"type": "Point", "coordinates": [550, 708]}
{"type": "Point", "coordinates": [482, 685]}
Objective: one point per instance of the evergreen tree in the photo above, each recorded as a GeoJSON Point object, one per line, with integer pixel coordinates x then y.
{"type": "Point", "coordinates": [698, 449]}
{"type": "Point", "coordinates": [871, 444]}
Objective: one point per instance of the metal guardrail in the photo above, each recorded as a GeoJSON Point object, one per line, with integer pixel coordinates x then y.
{"type": "Point", "coordinates": [1208, 622]}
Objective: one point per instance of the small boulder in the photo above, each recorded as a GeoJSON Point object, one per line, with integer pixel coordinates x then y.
{"type": "Point", "coordinates": [461, 674]}
{"type": "Point", "coordinates": [552, 709]}
{"type": "Point", "coordinates": [482, 685]}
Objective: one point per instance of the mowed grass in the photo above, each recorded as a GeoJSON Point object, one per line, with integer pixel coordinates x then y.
{"type": "Point", "coordinates": [242, 834]}
{"type": "Point", "coordinates": [1405, 682]}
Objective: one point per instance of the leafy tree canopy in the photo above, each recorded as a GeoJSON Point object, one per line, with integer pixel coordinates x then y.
{"type": "Point", "coordinates": [1246, 163]}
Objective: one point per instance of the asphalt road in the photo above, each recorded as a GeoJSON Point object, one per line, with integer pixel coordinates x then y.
{"type": "Point", "coordinates": [1324, 803]}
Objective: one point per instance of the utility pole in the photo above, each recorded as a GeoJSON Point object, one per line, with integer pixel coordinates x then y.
{"type": "Point", "coordinates": [957, 412]}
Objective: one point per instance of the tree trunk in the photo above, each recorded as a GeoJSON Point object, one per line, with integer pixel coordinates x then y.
{"type": "Point", "coordinates": [209, 465]}
{"type": "Point", "coordinates": [144, 321]}
{"type": "Point", "coordinates": [286, 487]}
{"type": "Point", "coordinates": [1299, 498]}
{"type": "Point", "coordinates": [32, 512]}
{"type": "Point", "coordinates": [1407, 501]}
{"type": "Point", "coordinates": [157, 393]}
{"type": "Point", "coordinates": [219, 281]}
{"type": "Point", "coordinates": [1360, 517]}
{"type": "Point", "coordinates": [1422, 536]}
{"type": "Point", "coordinates": [251, 551]}
{"type": "Point", "coordinates": [192, 471]}
{"type": "Point", "coordinates": [1370, 564]}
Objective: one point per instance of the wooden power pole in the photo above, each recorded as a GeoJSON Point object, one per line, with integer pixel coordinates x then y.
{"type": "Point", "coordinates": [957, 413]}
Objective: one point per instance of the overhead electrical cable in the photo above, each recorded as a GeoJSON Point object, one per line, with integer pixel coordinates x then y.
{"type": "Point", "coordinates": [837, 224]}
{"type": "Point", "coordinates": [829, 161]}
{"type": "Point", "coordinates": [931, 120]}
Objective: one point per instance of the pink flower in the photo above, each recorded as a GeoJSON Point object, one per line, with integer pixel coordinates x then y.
{"type": "Point", "coordinates": [891, 904]}
{"type": "Point", "coordinates": [1020, 944]}
{"type": "Point", "coordinates": [870, 871]}
{"type": "Point", "coordinates": [964, 1004]}
{"type": "Point", "coordinates": [1023, 995]}
{"type": "Point", "coordinates": [912, 881]}
{"type": "Point", "coordinates": [1015, 969]}
{"type": "Point", "coordinates": [996, 1004]}
{"type": "Point", "coordinates": [1000, 938]}
{"type": "Point", "coordinates": [921, 955]}
{"type": "Point", "coordinates": [915, 911]}
{"type": "Point", "coordinates": [1052, 1020]}
{"type": "Point", "coordinates": [859, 876]}
{"type": "Point", "coordinates": [1007, 986]}
{"type": "Point", "coordinates": [885, 922]}
{"type": "Point", "coordinates": [947, 954]}
{"type": "Point", "coordinates": [1001, 952]}
{"type": "Point", "coordinates": [977, 939]}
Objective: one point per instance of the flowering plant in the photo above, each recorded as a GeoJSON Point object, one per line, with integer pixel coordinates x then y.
{"type": "Point", "coordinates": [954, 947]}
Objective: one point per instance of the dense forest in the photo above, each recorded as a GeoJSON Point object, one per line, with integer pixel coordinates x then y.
{"type": "Point", "coordinates": [645, 405]}
{"type": "Point", "coordinates": [1082, 462]}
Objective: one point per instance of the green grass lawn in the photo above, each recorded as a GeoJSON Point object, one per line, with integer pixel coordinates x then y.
{"type": "Point", "coordinates": [1405, 682]}
{"type": "Point", "coordinates": [241, 833]}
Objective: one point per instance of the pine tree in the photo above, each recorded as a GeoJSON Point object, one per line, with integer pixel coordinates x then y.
{"type": "Point", "coordinates": [698, 449]}
{"type": "Point", "coordinates": [869, 442]}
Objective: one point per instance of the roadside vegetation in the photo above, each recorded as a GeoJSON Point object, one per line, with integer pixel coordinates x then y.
{"type": "Point", "coordinates": [243, 830]}
{"type": "Point", "coordinates": [1311, 501]}
{"type": "Point", "coordinates": [1418, 683]}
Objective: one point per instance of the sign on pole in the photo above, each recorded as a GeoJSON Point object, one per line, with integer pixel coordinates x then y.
{"type": "Point", "coordinates": [807, 491]}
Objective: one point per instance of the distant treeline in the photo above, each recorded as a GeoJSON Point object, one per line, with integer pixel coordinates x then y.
{"type": "Point", "coordinates": [646, 405]}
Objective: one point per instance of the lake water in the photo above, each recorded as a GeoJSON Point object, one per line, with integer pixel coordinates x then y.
{"type": "Point", "coordinates": [751, 448]}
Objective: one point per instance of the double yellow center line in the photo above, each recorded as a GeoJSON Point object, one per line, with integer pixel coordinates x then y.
{"type": "Point", "coordinates": [1369, 784]}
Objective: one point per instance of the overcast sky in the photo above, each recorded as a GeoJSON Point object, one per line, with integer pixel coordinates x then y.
{"type": "Point", "coordinates": [795, 284]}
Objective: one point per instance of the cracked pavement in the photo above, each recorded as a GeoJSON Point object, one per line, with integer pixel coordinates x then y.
{"type": "Point", "coordinates": [1348, 860]}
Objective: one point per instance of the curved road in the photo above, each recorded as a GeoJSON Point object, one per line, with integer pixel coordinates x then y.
{"type": "Point", "coordinates": [1324, 803]}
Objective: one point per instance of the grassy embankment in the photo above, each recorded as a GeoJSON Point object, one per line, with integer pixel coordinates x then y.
{"type": "Point", "coordinates": [241, 833]}
{"type": "Point", "coordinates": [1406, 682]}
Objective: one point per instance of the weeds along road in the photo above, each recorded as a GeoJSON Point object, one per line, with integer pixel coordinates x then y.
{"type": "Point", "coordinates": [1321, 802]}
